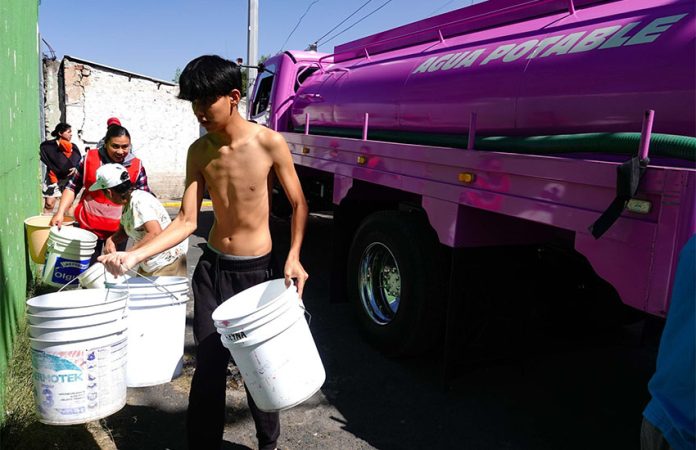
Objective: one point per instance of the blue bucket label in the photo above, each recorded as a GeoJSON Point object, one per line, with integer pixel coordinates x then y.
{"type": "Point", "coordinates": [65, 270]}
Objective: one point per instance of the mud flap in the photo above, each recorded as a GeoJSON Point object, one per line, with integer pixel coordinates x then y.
{"type": "Point", "coordinates": [628, 176]}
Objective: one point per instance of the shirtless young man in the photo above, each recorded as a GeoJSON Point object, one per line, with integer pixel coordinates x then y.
{"type": "Point", "coordinates": [233, 161]}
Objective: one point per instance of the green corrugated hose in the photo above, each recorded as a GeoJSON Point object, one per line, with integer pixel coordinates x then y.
{"type": "Point", "coordinates": [662, 145]}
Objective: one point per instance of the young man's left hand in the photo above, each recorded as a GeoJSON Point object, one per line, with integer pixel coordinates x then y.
{"type": "Point", "coordinates": [294, 270]}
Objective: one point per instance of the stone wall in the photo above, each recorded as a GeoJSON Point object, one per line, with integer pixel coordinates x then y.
{"type": "Point", "coordinates": [52, 95]}
{"type": "Point", "coordinates": [161, 126]}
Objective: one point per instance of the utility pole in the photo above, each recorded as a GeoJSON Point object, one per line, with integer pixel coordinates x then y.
{"type": "Point", "coordinates": [252, 47]}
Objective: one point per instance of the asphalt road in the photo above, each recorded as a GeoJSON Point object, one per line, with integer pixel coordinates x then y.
{"type": "Point", "coordinates": [561, 387]}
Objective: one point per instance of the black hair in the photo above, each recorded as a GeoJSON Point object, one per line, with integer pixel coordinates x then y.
{"type": "Point", "coordinates": [123, 187]}
{"type": "Point", "coordinates": [62, 127]}
{"type": "Point", "coordinates": [209, 76]}
{"type": "Point", "coordinates": [115, 131]}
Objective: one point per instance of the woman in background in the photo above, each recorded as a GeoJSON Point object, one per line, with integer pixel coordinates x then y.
{"type": "Point", "coordinates": [61, 158]}
{"type": "Point", "coordinates": [95, 212]}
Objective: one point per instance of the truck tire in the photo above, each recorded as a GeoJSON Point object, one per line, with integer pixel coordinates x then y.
{"type": "Point", "coordinates": [391, 281]}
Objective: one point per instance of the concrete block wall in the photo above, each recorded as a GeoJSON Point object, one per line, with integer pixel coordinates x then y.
{"type": "Point", "coordinates": [161, 126]}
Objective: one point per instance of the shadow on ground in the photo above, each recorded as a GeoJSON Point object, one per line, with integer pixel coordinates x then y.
{"type": "Point", "coordinates": [533, 382]}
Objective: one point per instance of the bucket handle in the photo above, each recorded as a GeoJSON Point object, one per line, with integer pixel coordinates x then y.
{"type": "Point", "coordinates": [151, 280]}
{"type": "Point", "coordinates": [309, 316]}
{"type": "Point", "coordinates": [66, 284]}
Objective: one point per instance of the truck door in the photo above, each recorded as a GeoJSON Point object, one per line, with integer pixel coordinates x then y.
{"type": "Point", "coordinates": [260, 108]}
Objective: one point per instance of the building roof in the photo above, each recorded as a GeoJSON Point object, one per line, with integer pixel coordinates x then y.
{"type": "Point", "coordinates": [116, 69]}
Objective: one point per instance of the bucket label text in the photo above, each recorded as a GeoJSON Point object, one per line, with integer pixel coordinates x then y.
{"type": "Point", "coordinates": [65, 270]}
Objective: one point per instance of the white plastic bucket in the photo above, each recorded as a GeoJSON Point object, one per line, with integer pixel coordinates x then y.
{"type": "Point", "coordinates": [82, 302]}
{"type": "Point", "coordinates": [251, 303]}
{"type": "Point", "coordinates": [80, 376]}
{"type": "Point", "coordinates": [77, 321]}
{"type": "Point", "coordinates": [48, 333]}
{"type": "Point", "coordinates": [156, 329]}
{"type": "Point", "coordinates": [68, 255]}
{"type": "Point", "coordinates": [97, 277]}
{"type": "Point", "coordinates": [276, 353]}
{"type": "Point", "coordinates": [72, 234]}
{"type": "Point", "coordinates": [162, 285]}
{"type": "Point", "coordinates": [279, 309]}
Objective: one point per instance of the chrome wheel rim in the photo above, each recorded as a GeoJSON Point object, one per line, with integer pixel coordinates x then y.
{"type": "Point", "coordinates": [379, 283]}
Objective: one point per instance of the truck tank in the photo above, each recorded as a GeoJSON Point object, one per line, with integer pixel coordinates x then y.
{"type": "Point", "coordinates": [524, 67]}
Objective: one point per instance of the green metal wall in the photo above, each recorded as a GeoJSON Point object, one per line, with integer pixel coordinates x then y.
{"type": "Point", "coordinates": [20, 195]}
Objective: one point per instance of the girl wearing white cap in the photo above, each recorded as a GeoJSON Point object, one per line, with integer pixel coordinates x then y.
{"type": "Point", "coordinates": [143, 218]}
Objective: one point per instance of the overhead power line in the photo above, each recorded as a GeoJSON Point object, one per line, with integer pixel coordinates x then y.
{"type": "Point", "coordinates": [355, 23]}
{"type": "Point", "coordinates": [444, 6]}
{"type": "Point", "coordinates": [343, 21]}
{"type": "Point", "coordinates": [298, 24]}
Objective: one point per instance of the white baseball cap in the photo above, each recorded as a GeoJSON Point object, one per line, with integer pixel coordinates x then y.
{"type": "Point", "coordinates": [110, 175]}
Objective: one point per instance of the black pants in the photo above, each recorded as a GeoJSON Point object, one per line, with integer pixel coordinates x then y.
{"type": "Point", "coordinates": [215, 280]}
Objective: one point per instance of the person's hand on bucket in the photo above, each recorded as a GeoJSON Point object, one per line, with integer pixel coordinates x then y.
{"type": "Point", "coordinates": [118, 263]}
{"type": "Point", "coordinates": [295, 271]}
{"type": "Point", "coordinates": [57, 220]}
{"type": "Point", "coordinates": [109, 246]}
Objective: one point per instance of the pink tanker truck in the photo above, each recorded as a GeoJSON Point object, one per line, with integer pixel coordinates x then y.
{"type": "Point", "coordinates": [564, 124]}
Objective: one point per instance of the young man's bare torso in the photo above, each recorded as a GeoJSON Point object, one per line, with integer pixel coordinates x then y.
{"type": "Point", "coordinates": [233, 161]}
{"type": "Point", "coordinates": [236, 174]}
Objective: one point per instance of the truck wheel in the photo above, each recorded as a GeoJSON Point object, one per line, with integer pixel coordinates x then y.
{"type": "Point", "coordinates": [391, 281]}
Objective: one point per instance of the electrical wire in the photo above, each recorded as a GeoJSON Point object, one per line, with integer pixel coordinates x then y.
{"type": "Point", "coordinates": [343, 21]}
{"type": "Point", "coordinates": [355, 23]}
{"type": "Point", "coordinates": [445, 5]}
{"type": "Point", "coordinates": [298, 24]}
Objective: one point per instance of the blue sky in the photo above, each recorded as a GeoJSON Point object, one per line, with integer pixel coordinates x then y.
{"type": "Point", "coordinates": [154, 37]}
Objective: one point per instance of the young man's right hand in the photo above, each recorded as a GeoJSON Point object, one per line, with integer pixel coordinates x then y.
{"type": "Point", "coordinates": [118, 263]}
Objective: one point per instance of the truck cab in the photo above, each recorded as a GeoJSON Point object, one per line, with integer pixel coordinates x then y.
{"type": "Point", "coordinates": [277, 84]}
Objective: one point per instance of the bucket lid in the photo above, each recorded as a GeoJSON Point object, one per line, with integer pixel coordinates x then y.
{"type": "Point", "coordinates": [250, 300]}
